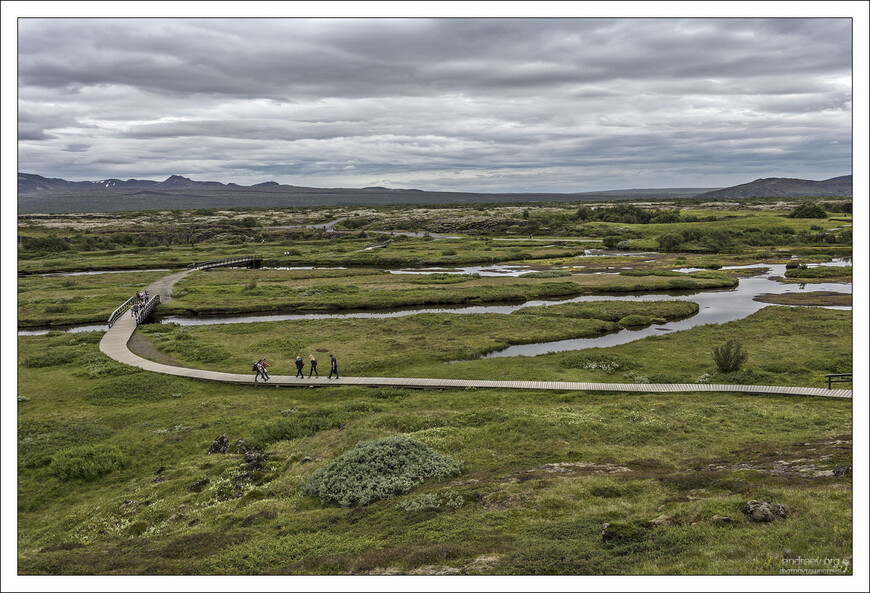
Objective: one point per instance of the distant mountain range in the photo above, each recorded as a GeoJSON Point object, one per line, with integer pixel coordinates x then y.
{"type": "Point", "coordinates": [783, 187]}
{"type": "Point", "coordinates": [42, 194]}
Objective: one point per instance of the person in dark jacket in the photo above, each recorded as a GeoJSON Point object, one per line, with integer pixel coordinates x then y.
{"type": "Point", "coordinates": [299, 365]}
{"type": "Point", "coordinates": [333, 366]}
{"type": "Point", "coordinates": [312, 366]}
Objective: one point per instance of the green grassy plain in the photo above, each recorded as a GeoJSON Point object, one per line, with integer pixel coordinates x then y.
{"type": "Point", "coordinates": [114, 479]}
{"type": "Point", "coordinates": [543, 472]}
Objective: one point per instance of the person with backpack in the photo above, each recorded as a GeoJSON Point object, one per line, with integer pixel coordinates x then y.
{"type": "Point", "coordinates": [264, 366]}
{"type": "Point", "coordinates": [299, 365]}
{"type": "Point", "coordinates": [312, 366]}
{"type": "Point", "coordinates": [333, 366]}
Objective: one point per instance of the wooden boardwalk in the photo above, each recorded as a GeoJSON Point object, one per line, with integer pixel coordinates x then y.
{"type": "Point", "coordinates": [114, 345]}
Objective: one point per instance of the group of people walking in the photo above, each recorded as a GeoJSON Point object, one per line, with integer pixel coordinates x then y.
{"type": "Point", "coordinates": [141, 299]}
{"type": "Point", "coordinates": [260, 367]}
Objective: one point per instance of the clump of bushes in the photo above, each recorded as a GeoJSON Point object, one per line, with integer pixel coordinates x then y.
{"type": "Point", "coordinates": [87, 462]}
{"type": "Point", "coordinates": [808, 211]}
{"type": "Point", "coordinates": [377, 470]}
{"type": "Point", "coordinates": [729, 357]}
{"type": "Point", "coordinates": [634, 321]}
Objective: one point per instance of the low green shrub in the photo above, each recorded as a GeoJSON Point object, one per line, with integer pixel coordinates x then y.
{"type": "Point", "coordinates": [377, 470]}
{"type": "Point", "coordinates": [594, 361]}
{"type": "Point", "coordinates": [729, 357]}
{"type": "Point", "coordinates": [303, 423]}
{"type": "Point", "coordinates": [634, 321]}
{"type": "Point", "coordinates": [87, 462]}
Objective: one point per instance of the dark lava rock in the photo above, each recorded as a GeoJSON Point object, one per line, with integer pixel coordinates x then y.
{"type": "Point", "coordinates": [762, 511]}
{"type": "Point", "coordinates": [842, 470]}
{"type": "Point", "coordinates": [219, 445]}
{"type": "Point", "coordinates": [244, 476]}
{"type": "Point", "coordinates": [192, 523]}
{"type": "Point", "coordinates": [198, 486]}
{"type": "Point", "coordinates": [160, 470]}
{"type": "Point", "coordinates": [254, 460]}
{"type": "Point", "coordinates": [306, 460]}
{"type": "Point", "coordinates": [239, 446]}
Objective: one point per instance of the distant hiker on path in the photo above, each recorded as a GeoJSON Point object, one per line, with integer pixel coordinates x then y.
{"type": "Point", "coordinates": [333, 366]}
{"type": "Point", "coordinates": [146, 296]}
{"type": "Point", "coordinates": [299, 365]}
{"type": "Point", "coordinates": [134, 310]}
{"type": "Point", "coordinates": [312, 366]}
{"type": "Point", "coordinates": [264, 365]}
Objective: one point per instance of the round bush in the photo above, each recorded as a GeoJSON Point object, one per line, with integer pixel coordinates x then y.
{"type": "Point", "coordinates": [379, 469]}
{"type": "Point", "coordinates": [87, 462]}
{"type": "Point", "coordinates": [634, 321]}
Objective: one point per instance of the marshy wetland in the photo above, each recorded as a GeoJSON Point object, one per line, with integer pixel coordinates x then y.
{"type": "Point", "coordinates": [113, 472]}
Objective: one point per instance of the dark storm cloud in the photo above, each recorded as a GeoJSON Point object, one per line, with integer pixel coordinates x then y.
{"type": "Point", "coordinates": [462, 104]}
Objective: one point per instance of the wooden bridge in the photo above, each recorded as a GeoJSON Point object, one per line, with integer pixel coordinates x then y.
{"type": "Point", "coordinates": [114, 345]}
{"type": "Point", "coordinates": [141, 310]}
{"type": "Point", "coordinates": [248, 261]}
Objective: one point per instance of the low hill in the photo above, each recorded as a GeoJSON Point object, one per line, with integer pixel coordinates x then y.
{"type": "Point", "coordinates": [37, 194]}
{"type": "Point", "coordinates": [783, 187]}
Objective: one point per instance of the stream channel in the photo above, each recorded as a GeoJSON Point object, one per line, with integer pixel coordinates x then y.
{"type": "Point", "coordinates": [716, 306]}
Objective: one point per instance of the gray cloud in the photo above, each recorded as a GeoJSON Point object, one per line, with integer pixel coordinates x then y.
{"type": "Point", "coordinates": [443, 104]}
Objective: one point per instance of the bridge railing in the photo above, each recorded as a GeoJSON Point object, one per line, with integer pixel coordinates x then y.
{"type": "Point", "coordinates": [122, 309]}
{"type": "Point", "coordinates": [254, 261]}
{"type": "Point", "coordinates": [145, 309]}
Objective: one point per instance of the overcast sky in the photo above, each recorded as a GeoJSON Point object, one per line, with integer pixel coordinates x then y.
{"type": "Point", "coordinates": [509, 105]}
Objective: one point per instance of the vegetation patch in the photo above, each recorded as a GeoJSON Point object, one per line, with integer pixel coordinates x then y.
{"type": "Point", "coordinates": [139, 387]}
{"type": "Point", "coordinates": [614, 310]}
{"type": "Point", "coordinates": [594, 361]}
{"type": "Point", "coordinates": [444, 278]}
{"type": "Point", "coordinates": [298, 424]}
{"type": "Point", "coordinates": [87, 462]}
{"type": "Point", "coordinates": [40, 439]}
{"type": "Point", "coordinates": [379, 469]}
{"type": "Point", "coordinates": [546, 274]}
{"type": "Point", "coordinates": [819, 298]}
{"type": "Point", "coordinates": [819, 272]}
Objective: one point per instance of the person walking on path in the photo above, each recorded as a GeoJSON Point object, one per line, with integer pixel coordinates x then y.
{"type": "Point", "coordinates": [333, 366]}
{"type": "Point", "coordinates": [134, 310]}
{"type": "Point", "coordinates": [260, 367]}
{"type": "Point", "coordinates": [312, 366]}
{"type": "Point", "coordinates": [146, 296]}
{"type": "Point", "coordinates": [299, 365]}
